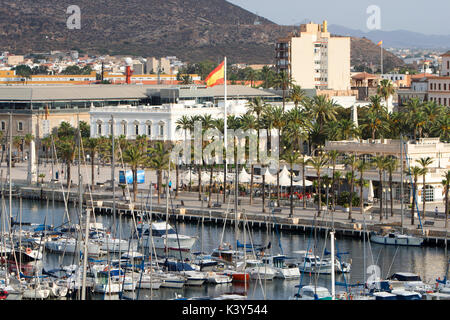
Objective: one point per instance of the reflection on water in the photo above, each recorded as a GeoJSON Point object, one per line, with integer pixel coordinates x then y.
{"type": "Point", "coordinates": [429, 263]}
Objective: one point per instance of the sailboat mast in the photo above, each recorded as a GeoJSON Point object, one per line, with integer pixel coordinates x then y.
{"type": "Point", "coordinates": [9, 167]}
{"type": "Point", "coordinates": [401, 179]}
{"type": "Point", "coordinates": [167, 211]}
{"type": "Point", "coordinates": [333, 282]}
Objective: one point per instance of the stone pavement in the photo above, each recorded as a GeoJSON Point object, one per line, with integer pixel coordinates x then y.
{"type": "Point", "coordinates": [190, 199]}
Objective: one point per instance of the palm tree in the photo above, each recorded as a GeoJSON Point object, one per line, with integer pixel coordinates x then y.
{"type": "Point", "coordinates": [291, 156]}
{"type": "Point", "coordinates": [352, 162]}
{"type": "Point", "coordinates": [391, 166]}
{"type": "Point", "coordinates": [283, 81]}
{"type": "Point", "coordinates": [380, 163]}
{"type": "Point", "coordinates": [337, 177]}
{"type": "Point", "coordinates": [66, 152]}
{"type": "Point", "coordinates": [251, 76]}
{"type": "Point", "coordinates": [361, 166]}
{"type": "Point", "coordinates": [297, 95]}
{"type": "Point", "coordinates": [414, 172]}
{"type": "Point", "coordinates": [279, 122]}
{"type": "Point", "coordinates": [323, 110]}
{"type": "Point", "coordinates": [446, 185]}
{"type": "Point", "coordinates": [158, 159]}
{"type": "Point", "coordinates": [386, 89]}
{"type": "Point", "coordinates": [92, 145]}
{"type": "Point", "coordinates": [332, 156]}
{"type": "Point", "coordinates": [318, 163]}
{"type": "Point", "coordinates": [346, 129]}
{"type": "Point", "coordinates": [303, 162]}
{"type": "Point", "coordinates": [17, 143]}
{"type": "Point", "coordinates": [27, 139]}
{"type": "Point", "coordinates": [424, 163]}
{"type": "Point", "coordinates": [135, 158]}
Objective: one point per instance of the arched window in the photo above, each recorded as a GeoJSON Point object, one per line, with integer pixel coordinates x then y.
{"type": "Point", "coordinates": [149, 128]}
{"type": "Point", "coordinates": [161, 128]}
{"type": "Point", "coordinates": [99, 128]}
{"type": "Point", "coordinates": [136, 128]}
{"type": "Point", "coordinates": [124, 128]}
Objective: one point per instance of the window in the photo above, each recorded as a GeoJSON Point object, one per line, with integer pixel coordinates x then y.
{"type": "Point", "coordinates": [161, 129]}
{"type": "Point", "coordinates": [149, 130]}
{"type": "Point", "coordinates": [20, 126]}
{"type": "Point", "coordinates": [3, 126]}
{"type": "Point", "coordinates": [429, 194]}
{"type": "Point", "coordinates": [124, 128]}
{"type": "Point", "coordinates": [99, 129]}
{"type": "Point", "coordinates": [136, 129]}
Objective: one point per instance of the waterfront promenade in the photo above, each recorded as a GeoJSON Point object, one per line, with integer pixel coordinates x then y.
{"type": "Point", "coordinates": [193, 206]}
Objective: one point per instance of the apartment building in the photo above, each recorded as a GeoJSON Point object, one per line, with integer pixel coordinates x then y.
{"type": "Point", "coordinates": [314, 59]}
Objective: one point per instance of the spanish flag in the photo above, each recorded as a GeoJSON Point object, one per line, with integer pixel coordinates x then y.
{"type": "Point", "coordinates": [380, 43]}
{"type": "Point", "coordinates": [217, 76]}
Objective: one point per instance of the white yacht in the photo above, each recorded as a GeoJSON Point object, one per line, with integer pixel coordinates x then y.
{"type": "Point", "coordinates": [161, 240]}
{"type": "Point", "coordinates": [69, 246]}
{"type": "Point", "coordinates": [283, 270]}
{"type": "Point", "coordinates": [395, 238]}
{"type": "Point", "coordinates": [314, 293]}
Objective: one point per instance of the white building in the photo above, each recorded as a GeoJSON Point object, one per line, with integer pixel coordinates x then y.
{"type": "Point", "coordinates": [156, 122]}
{"type": "Point", "coordinates": [438, 151]}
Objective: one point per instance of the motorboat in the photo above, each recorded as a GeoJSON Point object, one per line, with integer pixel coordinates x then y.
{"type": "Point", "coordinates": [36, 291]}
{"type": "Point", "coordinates": [110, 244]}
{"type": "Point", "coordinates": [314, 293]}
{"type": "Point", "coordinates": [258, 270]}
{"type": "Point", "coordinates": [409, 281]}
{"type": "Point", "coordinates": [162, 241]}
{"type": "Point", "coordinates": [170, 280]}
{"type": "Point", "coordinates": [70, 245]}
{"type": "Point", "coordinates": [395, 238]}
{"type": "Point", "coordinates": [310, 263]}
{"type": "Point", "coordinates": [217, 278]}
{"type": "Point", "coordinates": [406, 295]}
{"type": "Point", "coordinates": [283, 270]}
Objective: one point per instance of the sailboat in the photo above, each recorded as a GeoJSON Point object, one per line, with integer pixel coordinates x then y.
{"type": "Point", "coordinates": [387, 237]}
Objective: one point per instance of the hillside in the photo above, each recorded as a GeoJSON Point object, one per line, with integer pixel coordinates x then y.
{"type": "Point", "coordinates": [193, 30]}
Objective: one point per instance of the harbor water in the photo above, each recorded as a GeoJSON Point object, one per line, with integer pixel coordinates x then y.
{"type": "Point", "coordinates": [428, 262]}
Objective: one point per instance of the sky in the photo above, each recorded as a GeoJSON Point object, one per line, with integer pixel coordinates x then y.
{"type": "Point", "coordinates": [427, 17]}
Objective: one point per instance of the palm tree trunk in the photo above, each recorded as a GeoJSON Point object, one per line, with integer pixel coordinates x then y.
{"type": "Point", "coordinates": [423, 197]}
{"type": "Point", "coordinates": [68, 173]}
{"type": "Point", "coordinates": [134, 184]}
{"type": "Point", "coordinates": [291, 213]}
{"type": "Point", "coordinates": [390, 194]}
{"type": "Point", "coordinates": [159, 174]}
{"type": "Point", "coordinates": [177, 184]}
{"type": "Point", "coordinates": [413, 202]}
{"type": "Point", "coordinates": [210, 186]}
{"type": "Point", "coordinates": [350, 205]}
{"type": "Point", "coordinates": [446, 205]}
{"type": "Point", "coordinates": [304, 185]}
{"type": "Point", "coordinates": [199, 168]}
{"type": "Point", "coordinates": [92, 171]}
{"type": "Point", "coordinates": [263, 186]}
{"type": "Point", "coordinates": [381, 195]}
{"type": "Point", "coordinates": [319, 194]}
{"type": "Point", "coordinates": [278, 187]}
{"type": "Point", "coordinates": [224, 181]}
{"type": "Point", "coordinates": [251, 185]}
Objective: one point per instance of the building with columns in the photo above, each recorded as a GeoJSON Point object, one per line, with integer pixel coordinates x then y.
{"type": "Point", "coordinates": [438, 151]}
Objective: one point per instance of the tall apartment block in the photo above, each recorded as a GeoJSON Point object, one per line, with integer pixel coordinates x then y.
{"type": "Point", "coordinates": [314, 59]}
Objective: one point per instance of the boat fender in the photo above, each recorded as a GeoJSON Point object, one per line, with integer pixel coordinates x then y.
{"type": "Point", "coordinates": [28, 251]}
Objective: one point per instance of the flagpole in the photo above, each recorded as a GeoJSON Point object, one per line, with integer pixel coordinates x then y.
{"type": "Point", "coordinates": [381, 48]}
{"type": "Point", "coordinates": [225, 125]}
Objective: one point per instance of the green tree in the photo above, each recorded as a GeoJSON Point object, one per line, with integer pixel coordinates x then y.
{"type": "Point", "coordinates": [424, 163]}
